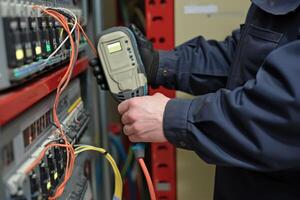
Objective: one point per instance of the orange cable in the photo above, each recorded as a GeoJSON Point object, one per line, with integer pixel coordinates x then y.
{"type": "Point", "coordinates": [42, 154]}
{"type": "Point", "coordinates": [148, 178]}
{"type": "Point", "coordinates": [88, 40]}
{"type": "Point", "coordinates": [60, 88]}
{"type": "Point", "coordinates": [60, 189]}
{"type": "Point", "coordinates": [63, 83]}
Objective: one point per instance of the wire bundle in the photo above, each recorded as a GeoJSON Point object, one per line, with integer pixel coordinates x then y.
{"type": "Point", "coordinates": [118, 178]}
{"type": "Point", "coordinates": [62, 15]}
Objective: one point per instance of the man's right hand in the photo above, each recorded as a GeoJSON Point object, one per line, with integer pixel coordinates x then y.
{"type": "Point", "coordinates": [149, 55]}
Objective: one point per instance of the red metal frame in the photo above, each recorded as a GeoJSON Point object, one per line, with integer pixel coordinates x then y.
{"type": "Point", "coordinates": [160, 30]}
{"type": "Point", "coordinates": [17, 101]}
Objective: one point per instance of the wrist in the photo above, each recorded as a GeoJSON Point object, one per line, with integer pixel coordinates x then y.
{"type": "Point", "coordinates": [175, 122]}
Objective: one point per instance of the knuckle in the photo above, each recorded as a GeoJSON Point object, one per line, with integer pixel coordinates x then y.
{"type": "Point", "coordinates": [119, 108]}
{"type": "Point", "coordinates": [158, 94]}
{"type": "Point", "coordinates": [132, 139]}
{"type": "Point", "coordinates": [125, 131]}
{"type": "Point", "coordinates": [135, 128]}
{"type": "Point", "coordinates": [123, 119]}
{"type": "Point", "coordinates": [140, 137]}
{"type": "Point", "coordinates": [133, 102]}
{"type": "Point", "coordinates": [131, 116]}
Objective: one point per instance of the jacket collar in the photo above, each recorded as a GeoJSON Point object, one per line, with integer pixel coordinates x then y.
{"type": "Point", "coordinates": [277, 7]}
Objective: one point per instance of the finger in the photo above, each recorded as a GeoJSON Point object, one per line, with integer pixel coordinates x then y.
{"type": "Point", "coordinates": [136, 138]}
{"type": "Point", "coordinates": [128, 118]}
{"type": "Point", "coordinates": [131, 129]}
{"type": "Point", "coordinates": [126, 130]}
{"type": "Point", "coordinates": [157, 94]}
{"type": "Point", "coordinates": [123, 107]}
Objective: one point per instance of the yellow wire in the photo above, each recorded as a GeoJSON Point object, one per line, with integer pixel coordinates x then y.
{"type": "Point", "coordinates": [62, 30]}
{"type": "Point", "coordinates": [61, 33]}
{"type": "Point", "coordinates": [118, 178]}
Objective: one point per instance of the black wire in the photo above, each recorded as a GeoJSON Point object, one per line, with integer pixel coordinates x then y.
{"type": "Point", "coordinates": [53, 124]}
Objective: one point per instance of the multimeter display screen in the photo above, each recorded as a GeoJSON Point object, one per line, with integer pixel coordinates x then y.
{"type": "Point", "coordinates": [114, 47]}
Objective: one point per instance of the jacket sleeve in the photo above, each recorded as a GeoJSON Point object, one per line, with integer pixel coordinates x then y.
{"type": "Point", "coordinates": [197, 66]}
{"type": "Point", "coordinates": [256, 126]}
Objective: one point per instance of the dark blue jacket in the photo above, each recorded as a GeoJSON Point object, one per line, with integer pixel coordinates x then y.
{"type": "Point", "coordinates": [246, 118]}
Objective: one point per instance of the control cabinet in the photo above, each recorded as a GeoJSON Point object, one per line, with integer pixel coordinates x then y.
{"type": "Point", "coordinates": [23, 139]}
{"type": "Point", "coordinates": [29, 75]}
{"type": "Point", "coordinates": [28, 38]}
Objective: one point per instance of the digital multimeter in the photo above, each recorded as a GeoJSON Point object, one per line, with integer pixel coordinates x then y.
{"type": "Point", "coordinates": [121, 63]}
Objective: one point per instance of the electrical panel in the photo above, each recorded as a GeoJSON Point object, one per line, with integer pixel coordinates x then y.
{"type": "Point", "coordinates": [23, 139]}
{"type": "Point", "coordinates": [28, 38]}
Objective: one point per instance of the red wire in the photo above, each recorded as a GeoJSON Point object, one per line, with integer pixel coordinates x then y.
{"type": "Point", "coordinates": [148, 178]}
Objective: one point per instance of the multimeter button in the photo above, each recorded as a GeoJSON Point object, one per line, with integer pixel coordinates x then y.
{"type": "Point", "coordinates": [133, 64]}
{"type": "Point", "coordinates": [94, 62]}
{"type": "Point", "coordinates": [100, 78]}
{"type": "Point", "coordinates": [128, 49]}
{"type": "Point", "coordinates": [126, 41]}
{"type": "Point", "coordinates": [97, 70]}
{"type": "Point", "coordinates": [103, 86]}
{"type": "Point", "coordinates": [131, 56]}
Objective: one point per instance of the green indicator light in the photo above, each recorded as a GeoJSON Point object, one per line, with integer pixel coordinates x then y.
{"type": "Point", "coordinates": [48, 185]}
{"type": "Point", "coordinates": [48, 47]}
{"type": "Point", "coordinates": [55, 175]}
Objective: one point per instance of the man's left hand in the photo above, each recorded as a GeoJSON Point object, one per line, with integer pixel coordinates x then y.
{"type": "Point", "coordinates": [142, 118]}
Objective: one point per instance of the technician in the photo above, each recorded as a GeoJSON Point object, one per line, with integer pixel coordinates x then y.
{"type": "Point", "coordinates": [246, 118]}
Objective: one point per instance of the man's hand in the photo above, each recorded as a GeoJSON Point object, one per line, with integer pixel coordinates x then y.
{"type": "Point", "coordinates": [142, 118]}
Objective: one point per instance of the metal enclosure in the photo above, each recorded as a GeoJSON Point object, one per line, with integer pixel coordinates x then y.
{"type": "Point", "coordinates": [15, 150]}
